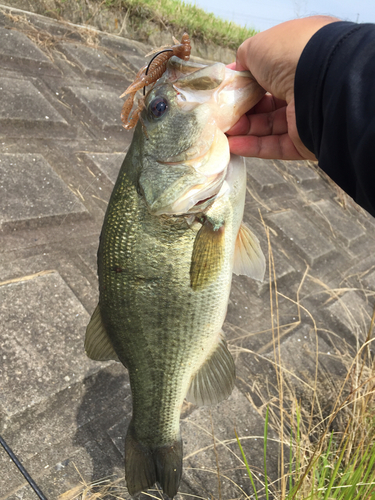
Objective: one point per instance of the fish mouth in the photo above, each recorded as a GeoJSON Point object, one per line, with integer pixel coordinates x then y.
{"type": "Point", "coordinates": [227, 92]}
{"type": "Point", "coordinates": [218, 96]}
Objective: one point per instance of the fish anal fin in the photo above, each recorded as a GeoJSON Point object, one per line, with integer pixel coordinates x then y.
{"type": "Point", "coordinates": [207, 257]}
{"type": "Point", "coordinates": [215, 379]}
{"type": "Point", "coordinates": [97, 343]}
{"type": "Point", "coordinates": [248, 255]}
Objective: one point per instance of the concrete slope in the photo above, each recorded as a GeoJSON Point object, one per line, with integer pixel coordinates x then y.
{"type": "Point", "coordinates": [61, 146]}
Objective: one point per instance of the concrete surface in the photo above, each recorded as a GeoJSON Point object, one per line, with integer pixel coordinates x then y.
{"type": "Point", "coordinates": [61, 146]}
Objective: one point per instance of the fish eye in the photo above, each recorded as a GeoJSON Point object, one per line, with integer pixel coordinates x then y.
{"type": "Point", "coordinates": [159, 106]}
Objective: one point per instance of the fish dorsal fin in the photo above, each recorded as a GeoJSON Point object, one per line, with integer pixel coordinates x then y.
{"type": "Point", "coordinates": [215, 379]}
{"type": "Point", "coordinates": [248, 256]}
{"type": "Point", "coordinates": [97, 343]}
{"type": "Point", "coordinates": [208, 256]}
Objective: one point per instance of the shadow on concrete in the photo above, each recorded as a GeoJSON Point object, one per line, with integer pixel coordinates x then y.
{"type": "Point", "coordinates": [102, 420]}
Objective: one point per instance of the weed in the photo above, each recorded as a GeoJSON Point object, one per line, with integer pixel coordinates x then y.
{"type": "Point", "coordinates": [140, 19]}
{"type": "Point", "coordinates": [184, 16]}
{"type": "Point", "coordinates": [340, 465]}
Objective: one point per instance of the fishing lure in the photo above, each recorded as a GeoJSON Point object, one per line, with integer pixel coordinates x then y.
{"type": "Point", "coordinates": [148, 75]}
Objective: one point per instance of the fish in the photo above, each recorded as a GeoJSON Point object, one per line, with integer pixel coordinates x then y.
{"type": "Point", "coordinates": [172, 237]}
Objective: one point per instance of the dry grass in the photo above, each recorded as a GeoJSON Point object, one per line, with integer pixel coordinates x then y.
{"type": "Point", "coordinates": [145, 19]}
{"type": "Point", "coordinates": [350, 425]}
{"type": "Point", "coordinates": [44, 39]}
{"type": "Point", "coordinates": [49, 44]}
{"type": "Point", "coordinates": [98, 490]}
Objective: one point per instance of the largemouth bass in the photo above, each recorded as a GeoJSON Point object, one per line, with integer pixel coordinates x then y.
{"type": "Point", "coordinates": [171, 238]}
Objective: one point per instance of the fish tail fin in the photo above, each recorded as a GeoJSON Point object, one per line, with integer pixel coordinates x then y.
{"type": "Point", "coordinates": [168, 464]}
{"type": "Point", "coordinates": [139, 464]}
{"type": "Point", "coordinates": [145, 465]}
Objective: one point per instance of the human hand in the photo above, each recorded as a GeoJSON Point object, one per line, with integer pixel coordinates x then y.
{"type": "Point", "coordinates": [269, 129]}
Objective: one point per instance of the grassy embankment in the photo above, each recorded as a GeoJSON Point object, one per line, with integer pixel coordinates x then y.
{"type": "Point", "coordinates": [180, 16]}
{"type": "Point", "coordinates": [150, 21]}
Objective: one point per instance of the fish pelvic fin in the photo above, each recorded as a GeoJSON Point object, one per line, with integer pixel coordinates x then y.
{"type": "Point", "coordinates": [215, 379]}
{"type": "Point", "coordinates": [249, 259]}
{"type": "Point", "coordinates": [145, 465]}
{"type": "Point", "coordinates": [208, 256]}
{"type": "Point", "coordinates": [97, 343]}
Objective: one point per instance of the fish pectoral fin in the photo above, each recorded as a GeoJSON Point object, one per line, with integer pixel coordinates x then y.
{"type": "Point", "coordinates": [97, 343]}
{"type": "Point", "coordinates": [215, 379]}
{"type": "Point", "coordinates": [248, 256]}
{"type": "Point", "coordinates": [208, 256]}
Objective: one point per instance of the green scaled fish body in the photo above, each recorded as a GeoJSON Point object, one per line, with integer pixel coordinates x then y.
{"type": "Point", "coordinates": [171, 238]}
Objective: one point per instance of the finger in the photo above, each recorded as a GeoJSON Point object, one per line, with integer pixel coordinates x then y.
{"type": "Point", "coordinates": [241, 127]}
{"type": "Point", "coordinates": [263, 124]}
{"type": "Point", "coordinates": [270, 147]}
{"type": "Point", "coordinates": [267, 104]}
{"type": "Point", "coordinates": [231, 65]}
{"type": "Point", "coordinates": [241, 67]}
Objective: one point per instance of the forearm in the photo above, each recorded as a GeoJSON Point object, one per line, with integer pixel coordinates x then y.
{"type": "Point", "coordinates": [335, 106]}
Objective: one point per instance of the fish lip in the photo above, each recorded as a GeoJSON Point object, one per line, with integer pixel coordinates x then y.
{"type": "Point", "coordinates": [235, 93]}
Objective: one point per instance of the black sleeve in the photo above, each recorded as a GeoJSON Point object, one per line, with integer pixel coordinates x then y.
{"type": "Point", "coordinates": [335, 106]}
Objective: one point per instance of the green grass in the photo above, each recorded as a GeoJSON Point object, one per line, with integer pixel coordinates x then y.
{"type": "Point", "coordinates": [181, 16]}
{"type": "Point", "coordinates": [341, 465]}
{"type": "Point", "coordinates": [139, 19]}
{"type": "Point", "coordinates": [329, 475]}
